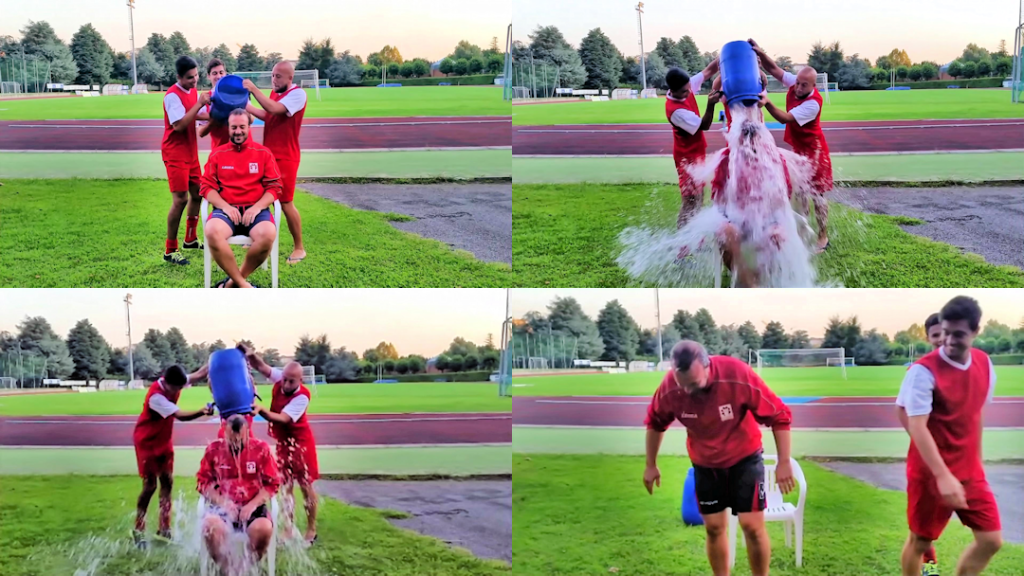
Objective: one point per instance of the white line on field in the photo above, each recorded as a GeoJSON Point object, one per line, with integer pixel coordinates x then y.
{"type": "Point", "coordinates": [315, 421]}
{"type": "Point", "coordinates": [659, 129]}
{"type": "Point", "coordinates": [345, 125]}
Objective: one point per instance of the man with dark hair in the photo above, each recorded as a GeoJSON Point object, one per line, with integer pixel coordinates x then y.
{"type": "Point", "coordinates": [154, 446]}
{"type": "Point", "coordinates": [218, 131]}
{"type": "Point", "coordinates": [237, 476]}
{"type": "Point", "coordinates": [241, 182]}
{"type": "Point", "coordinates": [941, 400]}
{"type": "Point", "coordinates": [179, 150]}
{"type": "Point", "coordinates": [688, 127]}
{"type": "Point", "coordinates": [933, 328]}
{"type": "Point", "coordinates": [721, 402]}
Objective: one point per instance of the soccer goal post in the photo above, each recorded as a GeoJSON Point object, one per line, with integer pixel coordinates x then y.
{"type": "Point", "coordinates": [309, 377]}
{"type": "Point", "coordinates": [538, 363]}
{"type": "Point", "coordinates": [801, 358]}
{"type": "Point", "coordinates": [823, 86]}
{"type": "Point", "coordinates": [8, 383]}
{"type": "Point", "coordinates": [305, 79]}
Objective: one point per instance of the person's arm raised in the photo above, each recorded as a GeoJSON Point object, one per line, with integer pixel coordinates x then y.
{"type": "Point", "coordinates": [766, 61]}
{"type": "Point", "coordinates": [190, 115]}
{"type": "Point", "coordinates": [267, 104]}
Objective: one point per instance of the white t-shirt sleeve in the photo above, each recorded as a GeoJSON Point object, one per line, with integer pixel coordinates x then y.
{"type": "Point", "coordinates": [296, 408]}
{"type": "Point", "coordinates": [294, 101]}
{"type": "Point", "coordinates": [788, 79]}
{"type": "Point", "coordinates": [991, 382]}
{"type": "Point", "coordinates": [686, 120]}
{"type": "Point", "coordinates": [162, 406]}
{"type": "Point", "coordinates": [805, 112]}
{"type": "Point", "coordinates": [916, 391]}
{"type": "Point", "coordinates": [173, 106]}
{"type": "Point", "coordinates": [276, 375]}
{"type": "Point", "coordinates": [696, 81]}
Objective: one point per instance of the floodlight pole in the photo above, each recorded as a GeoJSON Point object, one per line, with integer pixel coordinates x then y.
{"type": "Point", "coordinates": [507, 88]}
{"type": "Point", "coordinates": [657, 314]}
{"type": "Point", "coordinates": [131, 29]}
{"type": "Point", "coordinates": [128, 319]}
{"type": "Point", "coordinates": [640, 27]}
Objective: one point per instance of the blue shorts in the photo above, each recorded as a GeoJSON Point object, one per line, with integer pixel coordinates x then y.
{"type": "Point", "coordinates": [241, 229]}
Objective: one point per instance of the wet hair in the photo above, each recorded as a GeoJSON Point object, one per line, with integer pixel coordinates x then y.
{"type": "Point", "coordinates": [932, 321]}
{"type": "Point", "coordinates": [962, 308]}
{"type": "Point", "coordinates": [175, 375]}
{"type": "Point", "coordinates": [676, 79]}
{"type": "Point", "coordinates": [241, 112]}
{"type": "Point", "coordinates": [685, 352]}
{"type": "Point", "coordinates": [183, 64]}
{"type": "Point", "coordinates": [236, 422]}
{"type": "Point", "coordinates": [213, 63]}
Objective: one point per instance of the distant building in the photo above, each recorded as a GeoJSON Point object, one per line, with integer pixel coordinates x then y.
{"type": "Point", "coordinates": [432, 366]}
{"type": "Point", "coordinates": [435, 70]}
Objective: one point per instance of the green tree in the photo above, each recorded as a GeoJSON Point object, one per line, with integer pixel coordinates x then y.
{"type": "Point", "coordinates": [89, 351]}
{"type": "Point", "coordinates": [441, 362]}
{"type": "Point", "coordinates": [461, 67]}
{"type": "Point", "coordinates": [271, 59]}
{"type": "Point", "coordinates": [402, 366]}
{"type": "Point", "coordinates": [601, 60]}
{"type": "Point", "coordinates": [476, 65]}
{"type": "Point", "coordinates": [709, 333]}
{"type": "Point", "coordinates": [854, 74]}
{"type": "Point", "coordinates": [732, 344]}
{"type": "Point", "coordinates": [929, 70]}
{"type": "Point", "coordinates": [118, 363]}
{"type": "Point", "coordinates": [178, 45]}
{"type": "Point", "coordinates": [408, 70]}
{"type": "Point", "coordinates": [902, 72]}
{"type": "Point", "coordinates": [1002, 67]}
{"type": "Point", "coordinates": [93, 55]}
{"type": "Point", "coordinates": [548, 45]}
{"type": "Point", "coordinates": [693, 60]}
{"type": "Point", "coordinates": [495, 63]}
{"type": "Point", "coordinates": [420, 68]}
{"type": "Point", "coordinates": [340, 365]}
{"type": "Point", "coordinates": [774, 337]}
{"type": "Point", "coordinates": [915, 72]}
{"type": "Point", "coordinates": [656, 70]}
{"type": "Point", "coordinates": [899, 58]}
{"type": "Point", "coordinates": [148, 67]}
{"type": "Point", "coordinates": [417, 364]}
{"type": "Point", "coordinates": [314, 352]}
{"type": "Point", "coordinates": [461, 347]}
{"type": "Point", "coordinates": [62, 64]}
{"type": "Point", "coordinates": [489, 360]}
{"type": "Point", "coordinates": [394, 69]}
{"type": "Point", "coordinates": [271, 356]}
{"type": "Point", "coordinates": [466, 50]}
{"type": "Point", "coordinates": [146, 366]}
{"type": "Point", "coordinates": [35, 35]}
{"type": "Point", "coordinates": [826, 59]}
{"type": "Point", "coordinates": [984, 68]}
{"type": "Point", "coordinates": [179, 346]}
{"type": "Point", "coordinates": [872, 349]}
{"type": "Point", "coordinates": [161, 51]}
{"type": "Point", "coordinates": [161, 349]}
{"type": "Point", "coordinates": [686, 326]}
{"type": "Point", "coordinates": [470, 362]}
{"type": "Point", "coordinates": [249, 59]}
{"type": "Point", "coordinates": [447, 66]}
{"type": "Point", "coordinates": [956, 69]}
{"type": "Point", "coordinates": [346, 71]}
{"type": "Point", "coordinates": [784, 62]}
{"type": "Point", "coordinates": [970, 70]}
{"type": "Point", "coordinates": [455, 363]}
{"type": "Point", "coordinates": [567, 317]}
{"type": "Point", "coordinates": [995, 329]}
{"type": "Point", "coordinates": [389, 365]}
{"type": "Point", "coordinates": [842, 334]}
{"type": "Point", "coordinates": [223, 53]}
{"type": "Point", "coordinates": [618, 331]}
{"type": "Point", "coordinates": [748, 333]}
{"type": "Point", "coordinates": [974, 53]}
{"type": "Point", "coordinates": [883, 62]}
{"type": "Point", "coordinates": [799, 340]}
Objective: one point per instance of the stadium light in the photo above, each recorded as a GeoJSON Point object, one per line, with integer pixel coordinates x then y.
{"type": "Point", "coordinates": [128, 318]}
{"type": "Point", "coordinates": [131, 32]}
{"type": "Point", "coordinates": [640, 27]}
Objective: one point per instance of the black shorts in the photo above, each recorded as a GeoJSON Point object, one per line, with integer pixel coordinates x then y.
{"type": "Point", "coordinates": [241, 229]}
{"type": "Point", "coordinates": [740, 487]}
{"type": "Point", "coordinates": [259, 512]}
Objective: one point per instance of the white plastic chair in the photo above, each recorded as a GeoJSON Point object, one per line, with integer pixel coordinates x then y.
{"type": "Point", "coordinates": [204, 555]}
{"type": "Point", "coordinates": [777, 510]}
{"type": "Point", "coordinates": [241, 241]}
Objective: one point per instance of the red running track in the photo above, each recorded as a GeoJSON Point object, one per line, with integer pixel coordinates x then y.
{"type": "Point", "coordinates": [329, 429]}
{"type": "Point", "coordinates": [837, 412]}
{"type": "Point", "coordinates": [317, 134]}
{"type": "Point", "coordinates": [842, 137]}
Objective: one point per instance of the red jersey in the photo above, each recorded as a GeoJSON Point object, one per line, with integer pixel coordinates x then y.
{"type": "Point", "coordinates": [809, 140]}
{"type": "Point", "coordinates": [685, 147]}
{"type": "Point", "coordinates": [281, 131]}
{"type": "Point", "coordinates": [180, 146]}
{"type": "Point", "coordinates": [299, 430]}
{"type": "Point", "coordinates": [153, 432]}
{"type": "Point", "coordinates": [239, 477]}
{"type": "Point", "coordinates": [241, 174]}
{"type": "Point", "coordinates": [218, 132]}
{"type": "Point", "coordinates": [721, 420]}
{"type": "Point", "coordinates": [955, 419]}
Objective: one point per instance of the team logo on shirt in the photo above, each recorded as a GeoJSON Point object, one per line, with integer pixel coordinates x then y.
{"type": "Point", "coordinates": [687, 415]}
{"type": "Point", "coordinates": [254, 168]}
{"type": "Point", "coordinates": [725, 412]}
{"type": "Point", "coordinates": [250, 467]}
{"type": "Point", "coordinates": [227, 167]}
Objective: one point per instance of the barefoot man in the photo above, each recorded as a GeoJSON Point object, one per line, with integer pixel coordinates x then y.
{"type": "Point", "coordinates": [802, 118]}
{"type": "Point", "coordinates": [154, 445]}
{"type": "Point", "coordinates": [721, 402]}
{"type": "Point", "coordinates": [296, 447]}
{"type": "Point", "coordinates": [282, 112]}
{"type": "Point", "coordinates": [688, 127]}
{"type": "Point", "coordinates": [179, 150]}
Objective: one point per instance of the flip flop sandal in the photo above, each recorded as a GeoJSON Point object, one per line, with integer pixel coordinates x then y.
{"type": "Point", "coordinates": [222, 283]}
{"type": "Point", "coordinates": [825, 247]}
{"type": "Point", "coordinates": [294, 261]}
{"type": "Point", "coordinates": [309, 543]}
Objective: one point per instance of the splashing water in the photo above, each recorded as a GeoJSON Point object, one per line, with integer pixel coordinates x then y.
{"type": "Point", "coordinates": [776, 239]}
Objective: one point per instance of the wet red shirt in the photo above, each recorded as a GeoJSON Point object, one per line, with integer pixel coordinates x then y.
{"type": "Point", "coordinates": [685, 146]}
{"type": "Point", "coordinates": [722, 420]}
{"type": "Point", "coordinates": [239, 477]}
{"type": "Point", "coordinates": [297, 431]}
{"type": "Point", "coordinates": [154, 433]}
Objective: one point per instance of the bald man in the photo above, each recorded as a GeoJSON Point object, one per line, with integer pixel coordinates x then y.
{"type": "Point", "coordinates": [722, 403]}
{"type": "Point", "coordinates": [296, 447]}
{"type": "Point", "coordinates": [282, 112]}
{"type": "Point", "coordinates": [802, 118]}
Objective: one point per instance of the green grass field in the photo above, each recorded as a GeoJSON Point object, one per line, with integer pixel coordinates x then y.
{"type": "Point", "coordinates": [591, 515]}
{"type": "Point", "coordinates": [860, 381]}
{"type": "Point", "coordinates": [567, 235]}
{"type": "Point", "coordinates": [99, 233]}
{"type": "Point", "coordinates": [80, 525]}
{"type": "Point", "coordinates": [851, 106]}
{"type": "Point", "coordinates": [329, 399]}
{"type": "Point", "coordinates": [334, 103]}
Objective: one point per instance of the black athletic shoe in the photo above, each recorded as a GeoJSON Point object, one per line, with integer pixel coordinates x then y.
{"type": "Point", "coordinates": [176, 258]}
{"type": "Point", "coordinates": [193, 245]}
{"type": "Point", "coordinates": [139, 539]}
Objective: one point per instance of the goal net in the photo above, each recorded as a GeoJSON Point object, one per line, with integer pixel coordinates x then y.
{"type": "Point", "coordinates": [823, 84]}
{"type": "Point", "coordinates": [849, 361]}
{"type": "Point", "coordinates": [520, 93]}
{"type": "Point", "coordinates": [648, 93]}
{"type": "Point", "coordinates": [309, 377]}
{"type": "Point", "coordinates": [10, 88]}
{"type": "Point", "coordinates": [140, 89]}
{"type": "Point", "coordinates": [538, 363]}
{"type": "Point", "coordinates": [8, 383]}
{"type": "Point", "coordinates": [305, 79]}
{"type": "Point", "coordinates": [114, 90]}
{"type": "Point", "coordinates": [639, 366]}
{"type": "Point", "coordinates": [801, 358]}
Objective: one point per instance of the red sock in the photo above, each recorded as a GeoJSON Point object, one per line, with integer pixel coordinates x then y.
{"type": "Point", "coordinates": [171, 246]}
{"type": "Point", "coordinates": [190, 228]}
{"type": "Point", "coordinates": [929, 555]}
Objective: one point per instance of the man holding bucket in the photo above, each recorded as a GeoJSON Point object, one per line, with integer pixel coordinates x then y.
{"type": "Point", "coordinates": [721, 402]}
{"type": "Point", "coordinates": [688, 127]}
{"type": "Point", "coordinates": [217, 130]}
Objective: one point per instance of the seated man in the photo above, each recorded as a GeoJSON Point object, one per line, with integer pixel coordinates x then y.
{"type": "Point", "coordinates": [237, 476]}
{"type": "Point", "coordinates": [241, 181]}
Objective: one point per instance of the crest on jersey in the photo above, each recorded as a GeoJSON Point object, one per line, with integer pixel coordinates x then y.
{"type": "Point", "coordinates": [254, 168]}
{"type": "Point", "coordinates": [725, 411]}
{"type": "Point", "coordinates": [250, 467]}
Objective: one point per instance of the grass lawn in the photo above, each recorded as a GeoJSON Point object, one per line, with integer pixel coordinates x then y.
{"type": "Point", "coordinates": [851, 106]}
{"type": "Point", "coordinates": [333, 103]}
{"type": "Point", "coordinates": [102, 233]}
{"type": "Point", "coordinates": [329, 399]}
{"type": "Point", "coordinates": [939, 167]}
{"type": "Point", "coordinates": [591, 515]}
{"type": "Point", "coordinates": [860, 381]}
{"type": "Point", "coordinates": [43, 534]}
{"type": "Point", "coordinates": [462, 164]}
{"type": "Point", "coordinates": [567, 236]}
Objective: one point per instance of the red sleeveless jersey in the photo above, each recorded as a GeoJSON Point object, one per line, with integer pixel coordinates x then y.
{"type": "Point", "coordinates": [689, 147]}
{"type": "Point", "coordinates": [955, 420]}
{"type": "Point", "coordinates": [809, 140]}
{"type": "Point", "coordinates": [218, 132]}
{"type": "Point", "coordinates": [298, 430]}
{"type": "Point", "coordinates": [180, 146]}
{"type": "Point", "coordinates": [281, 132]}
{"type": "Point", "coordinates": [153, 432]}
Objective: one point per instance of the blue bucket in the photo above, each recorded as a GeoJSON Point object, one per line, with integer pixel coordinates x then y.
{"type": "Point", "coordinates": [228, 95]}
{"type": "Point", "coordinates": [741, 78]}
{"type": "Point", "coordinates": [229, 381]}
{"type": "Point", "coordinates": [691, 512]}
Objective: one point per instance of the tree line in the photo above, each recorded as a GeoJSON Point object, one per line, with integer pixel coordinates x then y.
{"type": "Point", "coordinates": [89, 59]}
{"type": "Point", "coordinates": [35, 352]}
{"type": "Point", "coordinates": [616, 336]}
{"type": "Point", "coordinates": [548, 62]}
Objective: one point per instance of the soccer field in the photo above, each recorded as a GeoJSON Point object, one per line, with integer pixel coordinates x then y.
{"type": "Point", "coordinates": [860, 381]}
{"type": "Point", "coordinates": [334, 103]}
{"type": "Point", "coordinates": [327, 399]}
{"type": "Point", "coordinates": [850, 106]}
